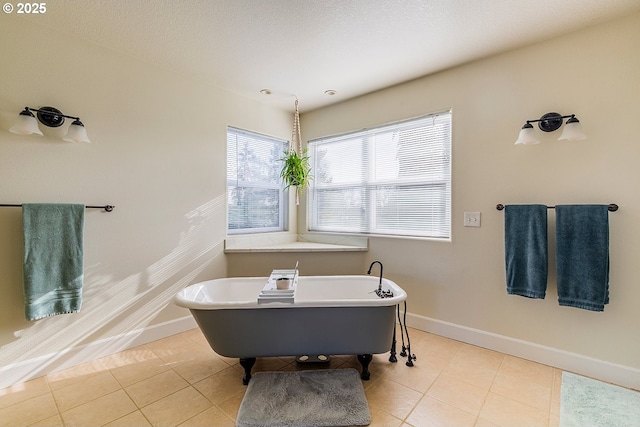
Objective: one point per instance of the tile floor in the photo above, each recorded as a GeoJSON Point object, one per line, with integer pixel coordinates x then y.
{"type": "Point", "coordinates": [180, 381]}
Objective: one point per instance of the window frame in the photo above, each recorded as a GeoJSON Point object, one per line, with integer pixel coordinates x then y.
{"type": "Point", "coordinates": [283, 196]}
{"type": "Point", "coordinates": [371, 185]}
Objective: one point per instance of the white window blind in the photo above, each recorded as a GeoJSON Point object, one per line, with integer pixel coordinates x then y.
{"type": "Point", "coordinates": [394, 179]}
{"type": "Point", "coordinates": [255, 200]}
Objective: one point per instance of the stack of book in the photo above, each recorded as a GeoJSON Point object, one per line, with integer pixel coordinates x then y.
{"type": "Point", "coordinates": [270, 291]}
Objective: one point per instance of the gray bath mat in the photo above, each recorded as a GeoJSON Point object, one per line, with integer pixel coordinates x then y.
{"type": "Point", "coordinates": [304, 398]}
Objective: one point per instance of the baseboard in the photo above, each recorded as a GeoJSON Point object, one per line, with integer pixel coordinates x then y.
{"type": "Point", "coordinates": [29, 369]}
{"type": "Point", "coordinates": [625, 376]}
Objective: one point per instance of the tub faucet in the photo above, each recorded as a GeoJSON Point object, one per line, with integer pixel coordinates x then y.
{"type": "Point", "coordinates": [379, 291]}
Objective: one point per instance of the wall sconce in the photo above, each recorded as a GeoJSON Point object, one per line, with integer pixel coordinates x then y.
{"type": "Point", "coordinates": [548, 123]}
{"type": "Point", "coordinates": [26, 123]}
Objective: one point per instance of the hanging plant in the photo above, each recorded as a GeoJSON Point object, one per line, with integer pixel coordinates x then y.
{"type": "Point", "coordinates": [296, 170]}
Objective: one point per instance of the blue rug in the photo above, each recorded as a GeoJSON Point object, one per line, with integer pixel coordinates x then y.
{"type": "Point", "coordinates": [585, 402]}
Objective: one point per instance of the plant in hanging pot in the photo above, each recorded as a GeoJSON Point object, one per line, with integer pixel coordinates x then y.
{"type": "Point", "coordinates": [296, 170]}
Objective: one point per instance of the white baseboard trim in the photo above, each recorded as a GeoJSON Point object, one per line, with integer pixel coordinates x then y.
{"type": "Point", "coordinates": [29, 369]}
{"type": "Point", "coordinates": [625, 376]}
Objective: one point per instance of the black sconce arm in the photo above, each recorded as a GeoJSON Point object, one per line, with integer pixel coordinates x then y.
{"type": "Point", "coordinates": [552, 121]}
{"type": "Point", "coordinates": [49, 116]}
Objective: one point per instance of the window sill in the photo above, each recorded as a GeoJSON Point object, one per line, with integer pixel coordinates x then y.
{"type": "Point", "coordinates": [286, 242]}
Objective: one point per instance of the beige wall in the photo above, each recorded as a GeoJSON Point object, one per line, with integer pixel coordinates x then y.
{"type": "Point", "coordinates": [158, 154]}
{"type": "Point", "coordinates": [593, 73]}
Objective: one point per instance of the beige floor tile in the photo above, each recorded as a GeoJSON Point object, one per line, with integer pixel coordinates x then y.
{"type": "Point", "coordinates": [85, 391]}
{"type": "Point", "coordinates": [176, 408]}
{"type": "Point", "coordinates": [197, 336]}
{"type": "Point", "coordinates": [416, 335]}
{"type": "Point", "coordinates": [54, 421]}
{"type": "Point", "coordinates": [231, 361]}
{"type": "Point", "coordinates": [528, 371]}
{"type": "Point", "coordinates": [29, 411]}
{"type": "Point", "coordinates": [213, 416]}
{"type": "Point", "coordinates": [100, 411]}
{"type": "Point", "coordinates": [393, 398]}
{"type": "Point", "coordinates": [75, 374]}
{"type": "Point", "coordinates": [555, 391]}
{"type": "Point", "coordinates": [23, 391]}
{"type": "Point", "coordinates": [155, 388]}
{"type": "Point", "coordinates": [418, 377]}
{"type": "Point", "coordinates": [522, 390]}
{"type": "Point", "coordinates": [430, 412]}
{"type": "Point", "coordinates": [484, 423]}
{"type": "Point", "coordinates": [127, 357]}
{"type": "Point", "coordinates": [134, 419]}
{"type": "Point", "coordinates": [139, 370]}
{"type": "Point", "coordinates": [218, 387]}
{"type": "Point", "coordinates": [232, 405]}
{"type": "Point", "coordinates": [174, 349]}
{"type": "Point", "coordinates": [380, 418]}
{"type": "Point", "coordinates": [201, 366]}
{"type": "Point", "coordinates": [378, 366]}
{"type": "Point", "coordinates": [344, 362]}
{"type": "Point", "coordinates": [438, 350]}
{"type": "Point", "coordinates": [474, 365]}
{"type": "Point", "coordinates": [436, 361]}
{"type": "Point", "coordinates": [167, 343]}
{"type": "Point", "coordinates": [457, 393]}
{"type": "Point", "coordinates": [266, 364]}
{"type": "Point", "coordinates": [507, 412]}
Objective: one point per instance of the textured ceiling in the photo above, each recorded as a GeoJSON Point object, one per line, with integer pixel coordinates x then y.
{"type": "Point", "coordinates": [304, 47]}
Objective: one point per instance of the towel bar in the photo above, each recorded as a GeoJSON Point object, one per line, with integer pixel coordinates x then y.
{"type": "Point", "coordinates": [612, 207]}
{"type": "Point", "coordinates": [107, 208]}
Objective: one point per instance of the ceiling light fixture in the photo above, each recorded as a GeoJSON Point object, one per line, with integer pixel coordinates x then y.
{"type": "Point", "coordinates": [548, 123]}
{"type": "Point", "coordinates": [26, 123]}
{"type": "Point", "coordinates": [330, 92]}
{"type": "Point", "coordinates": [265, 91]}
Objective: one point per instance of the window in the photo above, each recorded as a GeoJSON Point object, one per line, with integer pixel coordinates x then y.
{"type": "Point", "coordinates": [255, 200]}
{"type": "Point", "coordinates": [393, 179]}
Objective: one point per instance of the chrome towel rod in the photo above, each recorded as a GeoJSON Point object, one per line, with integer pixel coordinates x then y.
{"type": "Point", "coordinates": [612, 207]}
{"type": "Point", "coordinates": [107, 208]}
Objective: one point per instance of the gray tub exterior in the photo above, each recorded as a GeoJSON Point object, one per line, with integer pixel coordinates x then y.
{"type": "Point", "coordinates": [268, 332]}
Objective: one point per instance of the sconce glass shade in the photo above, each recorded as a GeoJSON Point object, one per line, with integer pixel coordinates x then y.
{"type": "Point", "coordinates": [572, 131]}
{"type": "Point", "coordinates": [76, 133]}
{"type": "Point", "coordinates": [527, 135]}
{"type": "Point", "coordinates": [25, 124]}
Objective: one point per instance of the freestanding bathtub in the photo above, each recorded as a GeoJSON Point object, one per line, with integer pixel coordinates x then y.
{"type": "Point", "coordinates": [330, 315]}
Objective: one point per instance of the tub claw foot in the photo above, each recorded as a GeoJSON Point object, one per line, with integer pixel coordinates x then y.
{"type": "Point", "coordinates": [247, 364]}
{"type": "Point", "coordinates": [364, 360]}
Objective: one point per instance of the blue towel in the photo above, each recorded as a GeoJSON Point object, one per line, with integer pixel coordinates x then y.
{"type": "Point", "coordinates": [582, 256]}
{"type": "Point", "coordinates": [525, 247]}
{"type": "Point", "coordinates": [53, 259]}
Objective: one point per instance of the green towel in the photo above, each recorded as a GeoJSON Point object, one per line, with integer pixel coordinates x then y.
{"type": "Point", "coordinates": [53, 258]}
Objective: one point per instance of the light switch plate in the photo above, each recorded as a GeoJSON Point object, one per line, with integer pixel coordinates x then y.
{"type": "Point", "coordinates": [472, 219]}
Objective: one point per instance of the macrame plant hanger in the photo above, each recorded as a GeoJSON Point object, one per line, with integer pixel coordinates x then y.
{"type": "Point", "coordinates": [296, 142]}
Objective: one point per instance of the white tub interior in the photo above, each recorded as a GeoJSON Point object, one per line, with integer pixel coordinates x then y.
{"type": "Point", "coordinates": [312, 291]}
